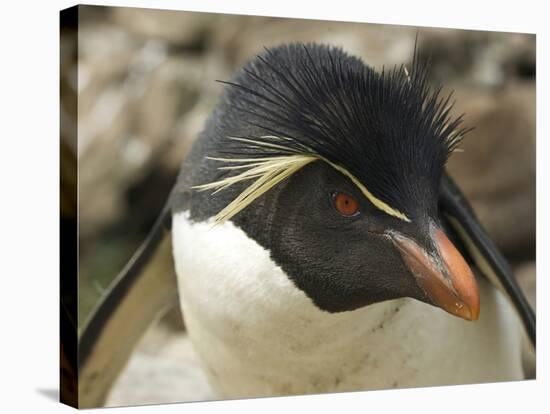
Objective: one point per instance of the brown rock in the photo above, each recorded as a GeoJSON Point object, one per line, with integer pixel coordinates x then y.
{"type": "Point", "coordinates": [165, 25]}
{"type": "Point", "coordinates": [497, 168]}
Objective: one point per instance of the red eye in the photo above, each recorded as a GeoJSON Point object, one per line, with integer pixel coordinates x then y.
{"type": "Point", "coordinates": [345, 204]}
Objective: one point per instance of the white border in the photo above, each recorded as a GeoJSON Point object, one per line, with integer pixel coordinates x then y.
{"type": "Point", "coordinates": [29, 187]}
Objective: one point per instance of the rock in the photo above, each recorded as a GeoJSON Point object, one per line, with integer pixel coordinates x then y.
{"type": "Point", "coordinates": [128, 116]}
{"type": "Point", "coordinates": [378, 44]}
{"type": "Point", "coordinates": [163, 369]}
{"type": "Point", "coordinates": [497, 168]}
{"type": "Point", "coordinates": [481, 59]}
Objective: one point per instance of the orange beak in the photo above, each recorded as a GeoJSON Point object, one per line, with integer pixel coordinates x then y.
{"type": "Point", "coordinates": [444, 276]}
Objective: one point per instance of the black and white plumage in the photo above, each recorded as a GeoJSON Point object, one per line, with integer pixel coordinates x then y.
{"type": "Point", "coordinates": [282, 291]}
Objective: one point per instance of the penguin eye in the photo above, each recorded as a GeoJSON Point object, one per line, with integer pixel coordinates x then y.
{"type": "Point", "coordinates": [345, 204]}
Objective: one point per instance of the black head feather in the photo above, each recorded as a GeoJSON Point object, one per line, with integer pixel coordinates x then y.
{"type": "Point", "coordinates": [391, 130]}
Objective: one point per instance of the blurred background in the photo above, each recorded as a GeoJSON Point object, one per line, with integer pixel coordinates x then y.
{"type": "Point", "coordinates": [146, 84]}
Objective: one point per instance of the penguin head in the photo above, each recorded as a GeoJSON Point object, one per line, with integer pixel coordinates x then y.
{"type": "Point", "coordinates": [335, 169]}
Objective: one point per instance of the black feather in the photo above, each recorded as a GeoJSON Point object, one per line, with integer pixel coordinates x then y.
{"type": "Point", "coordinates": [454, 205]}
{"type": "Point", "coordinates": [390, 130]}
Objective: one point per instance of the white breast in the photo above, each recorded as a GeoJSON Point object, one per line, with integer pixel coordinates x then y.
{"type": "Point", "coordinates": [259, 335]}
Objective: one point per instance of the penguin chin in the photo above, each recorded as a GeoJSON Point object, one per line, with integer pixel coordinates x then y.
{"type": "Point", "coordinates": [352, 302]}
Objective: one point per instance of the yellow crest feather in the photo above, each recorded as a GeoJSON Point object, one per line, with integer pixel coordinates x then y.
{"type": "Point", "coordinates": [268, 172]}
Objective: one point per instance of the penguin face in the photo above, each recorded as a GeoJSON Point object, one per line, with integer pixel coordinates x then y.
{"type": "Point", "coordinates": [335, 169]}
{"type": "Point", "coordinates": [344, 253]}
{"type": "Point", "coordinates": [332, 242]}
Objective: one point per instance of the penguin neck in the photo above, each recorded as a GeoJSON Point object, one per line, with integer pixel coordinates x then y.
{"type": "Point", "coordinates": [241, 310]}
{"type": "Point", "coordinates": [257, 334]}
{"type": "Point", "coordinates": [235, 275]}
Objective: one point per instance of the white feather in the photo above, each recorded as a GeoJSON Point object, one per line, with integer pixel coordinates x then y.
{"type": "Point", "coordinates": [259, 335]}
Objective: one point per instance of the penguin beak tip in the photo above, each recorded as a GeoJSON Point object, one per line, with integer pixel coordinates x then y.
{"type": "Point", "coordinates": [447, 280]}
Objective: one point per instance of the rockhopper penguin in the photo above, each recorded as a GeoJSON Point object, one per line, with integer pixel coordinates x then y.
{"type": "Point", "coordinates": [319, 244]}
